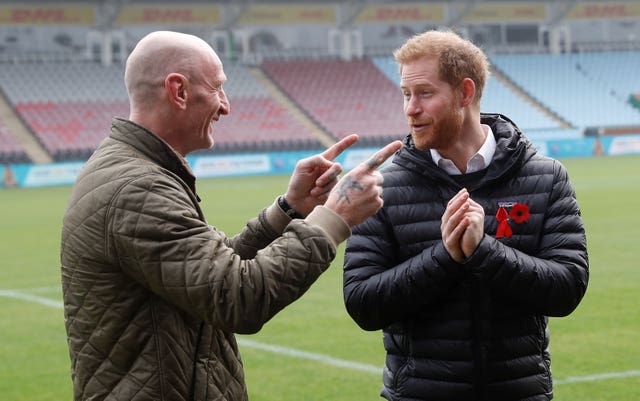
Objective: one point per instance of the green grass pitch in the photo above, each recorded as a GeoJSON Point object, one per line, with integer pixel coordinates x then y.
{"type": "Point", "coordinates": [312, 350]}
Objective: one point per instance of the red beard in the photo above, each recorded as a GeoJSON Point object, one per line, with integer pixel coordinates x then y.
{"type": "Point", "coordinates": [443, 133]}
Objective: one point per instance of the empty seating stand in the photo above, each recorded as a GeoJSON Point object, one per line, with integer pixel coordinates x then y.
{"type": "Point", "coordinates": [343, 97]}
{"type": "Point", "coordinates": [582, 89]}
{"type": "Point", "coordinates": [257, 122]}
{"type": "Point", "coordinates": [71, 130]}
{"type": "Point", "coordinates": [260, 124]}
{"type": "Point", "coordinates": [69, 107]}
{"type": "Point", "coordinates": [11, 151]}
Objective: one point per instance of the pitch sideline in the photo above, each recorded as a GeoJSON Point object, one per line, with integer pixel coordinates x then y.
{"type": "Point", "coordinates": [325, 359]}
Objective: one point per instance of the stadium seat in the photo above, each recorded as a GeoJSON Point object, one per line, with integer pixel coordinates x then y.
{"type": "Point", "coordinates": [343, 97]}
{"type": "Point", "coordinates": [573, 86]}
{"type": "Point", "coordinates": [69, 107]}
{"type": "Point", "coordinates": [11, 151]}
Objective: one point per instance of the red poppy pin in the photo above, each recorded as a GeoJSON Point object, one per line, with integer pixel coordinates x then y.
{"type": "Point", "coordinates": [518, 213]}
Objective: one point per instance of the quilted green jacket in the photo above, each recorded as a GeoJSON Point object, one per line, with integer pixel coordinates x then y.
{"type": "Point", "coordinates": [153, 294]}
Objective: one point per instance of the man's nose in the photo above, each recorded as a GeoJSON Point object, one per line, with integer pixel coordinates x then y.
{"type": "Point", "coordinates": [412, 106]}
{"type": "Point", "coordinates": [226, 106]}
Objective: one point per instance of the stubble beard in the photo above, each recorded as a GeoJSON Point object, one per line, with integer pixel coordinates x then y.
{"type": "Point", "coordinates": [443, 133]}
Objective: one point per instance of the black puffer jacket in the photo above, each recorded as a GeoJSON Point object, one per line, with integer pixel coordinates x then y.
{"type": "Point", "coordinates": [477, 330]}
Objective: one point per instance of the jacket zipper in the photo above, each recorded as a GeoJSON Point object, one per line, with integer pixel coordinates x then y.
{"type": "Point", "coordinates": [192, 391]}
{"type": "Point", "coordinates": [478, 349]}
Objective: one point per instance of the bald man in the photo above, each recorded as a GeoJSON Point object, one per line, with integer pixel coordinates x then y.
{"type": "Point", "coordinates": [153, 294]}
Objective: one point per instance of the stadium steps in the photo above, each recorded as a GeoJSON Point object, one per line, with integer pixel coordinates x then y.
{"type": "Point", "coordinates": [498, 75]}
{"type": "Point", "coordinates": [295, 111]}
{"type": "Point", "coordinates": [21, 133]}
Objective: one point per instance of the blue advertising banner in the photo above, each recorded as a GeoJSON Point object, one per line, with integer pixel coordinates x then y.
{"type": "Point", "coordinates": [37, 175]}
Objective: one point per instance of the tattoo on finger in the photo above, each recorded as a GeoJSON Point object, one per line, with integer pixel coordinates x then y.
{"type": "Point", "coordinates": [343, 188]}
{"type": "Point", "coordinates": [374, 162]}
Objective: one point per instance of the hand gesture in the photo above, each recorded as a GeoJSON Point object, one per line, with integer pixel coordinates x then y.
{"type": "Point", "coordinates": [315, 176]}
{"type": "Point", "coordinates": [358, 195]}
{"type": "Point", "coordinates": [475, 229]}
{"type": "Point", "coordinates": [462, 226]}
{"type": "Point", "coordinates": [453, 224]}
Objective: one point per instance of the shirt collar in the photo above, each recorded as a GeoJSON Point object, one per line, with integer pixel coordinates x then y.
{"type": "Point", "coordinates": [478, 161]}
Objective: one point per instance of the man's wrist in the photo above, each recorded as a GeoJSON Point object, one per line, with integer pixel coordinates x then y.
{"type": "Point", "coordinates": [287, 209]}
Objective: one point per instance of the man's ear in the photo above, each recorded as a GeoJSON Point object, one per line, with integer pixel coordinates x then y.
{"type": "Point", "coordinates": [176, 87]}
{"type": "Point", "coordinates": [468, 91]}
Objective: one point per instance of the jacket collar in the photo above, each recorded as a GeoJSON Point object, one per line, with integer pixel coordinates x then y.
{"type": "Point", "coordinates": [511, 149]}
{"type": "Point", "coordinates": [154, 148]}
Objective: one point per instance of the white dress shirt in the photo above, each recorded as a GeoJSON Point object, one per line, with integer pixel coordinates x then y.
{"type": "Point", "coordinates": [479, 161]}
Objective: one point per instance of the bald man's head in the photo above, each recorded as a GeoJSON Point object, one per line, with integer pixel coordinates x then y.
{"type": "Point", "coordinates": [157, 55]}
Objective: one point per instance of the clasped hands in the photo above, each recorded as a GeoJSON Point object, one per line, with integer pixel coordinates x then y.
{"type": "Point", "coordinates": [354, 197]}
{"type": "Point", "coordinates": [462, 226]}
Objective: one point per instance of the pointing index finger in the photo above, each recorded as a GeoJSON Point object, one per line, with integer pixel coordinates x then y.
{"type": "Point", "coordinates": [382, 155]}
{"type": "Point", "coordinates": [339, 147]}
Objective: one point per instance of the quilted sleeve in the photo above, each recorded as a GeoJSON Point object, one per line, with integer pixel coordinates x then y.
{"type": "Point", "coordinates": [158, 238]}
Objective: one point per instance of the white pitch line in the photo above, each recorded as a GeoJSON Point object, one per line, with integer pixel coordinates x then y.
{"type": "Point", "coordinates": [329, 360]}
{"type": "Point", "coordinates": [601, 376]}
{"type": "Point", "coordinates": [31, 298]}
